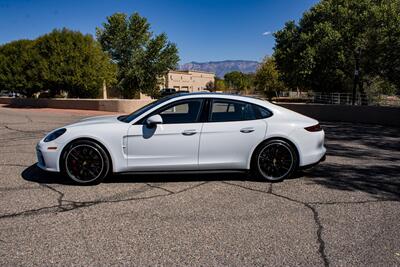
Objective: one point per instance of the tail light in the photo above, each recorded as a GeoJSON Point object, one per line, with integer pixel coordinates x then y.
{"type": "Point", "coordinates": [314, 128]}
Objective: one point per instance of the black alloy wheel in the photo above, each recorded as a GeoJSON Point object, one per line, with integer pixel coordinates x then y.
{"type": "Point", "coordinates": [275, 160]}
{"type": "Point", "coordinates": [86, 162]}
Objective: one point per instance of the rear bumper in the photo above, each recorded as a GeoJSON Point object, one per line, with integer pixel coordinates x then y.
{"type": "Point", "coordinates": [314, 157]}
{"type": "Point", "coordinates": [310, 146]}
{"type": "Point", "coordinates": [323, 158]}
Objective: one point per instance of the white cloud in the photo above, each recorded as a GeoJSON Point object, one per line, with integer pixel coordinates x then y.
{"type": "Point", "coordinates": [266, 33]}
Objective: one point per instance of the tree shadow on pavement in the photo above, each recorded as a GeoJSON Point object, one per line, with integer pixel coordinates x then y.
{"type": "Point", "coordinates": [372, 136]}
{"type": "Point", "coordinates": [381, 181]}
{"type": "Point", "coordinates": [365, 158]}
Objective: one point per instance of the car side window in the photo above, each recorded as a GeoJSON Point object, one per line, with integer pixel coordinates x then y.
{"type": "Point", "coordinates": [181, 112]}
{"type": "Point", "coordinates": [261, 113]}
{"type": "Point", "coordinates": [228, 110]}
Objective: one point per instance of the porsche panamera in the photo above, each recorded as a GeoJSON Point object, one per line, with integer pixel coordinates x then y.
{"type": "Point", "coordinates": [194, 132]}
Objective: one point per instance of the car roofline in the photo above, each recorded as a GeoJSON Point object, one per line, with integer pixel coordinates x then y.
{"type": "Point", "coordinates": [214, 94]}
{"type": "Point", "coordinates": [251, 99]}
{"type": "Point", "coordinates": [181, 96]}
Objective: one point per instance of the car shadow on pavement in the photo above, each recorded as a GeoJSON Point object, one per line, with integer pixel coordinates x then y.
{"type": "Point", "coordinates": [379, 181]}
{"type": "Point", "coordinates": [35, 174]}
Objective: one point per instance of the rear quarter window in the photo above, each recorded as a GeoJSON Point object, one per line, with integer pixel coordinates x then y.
{"type": "Point", "coordinates": [261, 112]}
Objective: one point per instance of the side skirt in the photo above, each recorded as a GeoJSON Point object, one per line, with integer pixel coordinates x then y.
{"type": "Point", "coordinates": [183, 172]}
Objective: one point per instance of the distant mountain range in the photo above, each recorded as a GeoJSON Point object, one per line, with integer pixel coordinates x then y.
{"type": "Point", "coordinates": [222, 67]}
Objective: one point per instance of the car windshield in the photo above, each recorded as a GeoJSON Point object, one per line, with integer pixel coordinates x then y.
{"type": "Point", "coordinates": [137, 113]}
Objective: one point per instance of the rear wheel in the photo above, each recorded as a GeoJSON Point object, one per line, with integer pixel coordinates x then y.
{"type": "Point", "coordinates": [86, 162]}
{"type": "Point", "coordinates": [275, 160]}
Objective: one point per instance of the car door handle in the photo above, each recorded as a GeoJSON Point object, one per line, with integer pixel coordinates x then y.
{"type": "Point", "coordinates": [189, 132]}
{"type": "Point", "coordinates": [247, 130]}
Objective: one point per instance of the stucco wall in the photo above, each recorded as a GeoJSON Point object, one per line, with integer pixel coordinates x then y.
{"type": "Point", "coordinates": [114, 105]}
{"type": "Point", "coordinates": [192, 81]}
{"type": "Point", "coordinates": [359, 114]}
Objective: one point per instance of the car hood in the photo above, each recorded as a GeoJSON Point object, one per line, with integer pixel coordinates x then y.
{"type": "Point", "coordinates": [96, 120]}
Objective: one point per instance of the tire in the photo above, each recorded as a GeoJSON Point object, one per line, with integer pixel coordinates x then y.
{"type": "Point", "coordinates": [85, 162]}
{"type": "Point", "coordinates": [274, 160]}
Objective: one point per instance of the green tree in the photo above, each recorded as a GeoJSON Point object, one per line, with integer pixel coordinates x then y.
{"type": "Point", "coordinates": [233, 80]}
{"type": "Point", "coordinates": [74, 63]}
{"type": "Point", "coordinates": [320, 52]}
{"type": "Point", "coordinates": [20, 68]}
{"type": "Point", "coordinates": [142, 57]}
{"type": "Point", "coordinates": [220, 84]}
{"type": "Point", "coordinates": [239, 81]}
{"type": "Point", "coordinates": [267, 78]}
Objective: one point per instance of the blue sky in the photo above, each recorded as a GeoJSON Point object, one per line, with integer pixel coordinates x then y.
{"type": "Point", "coordinates": [204, 30]}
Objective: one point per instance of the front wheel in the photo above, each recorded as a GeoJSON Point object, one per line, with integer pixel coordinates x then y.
{"type": "Point", "coordinates": [275, 160]}
{"type": "Point", "coordinates": [85, 162]}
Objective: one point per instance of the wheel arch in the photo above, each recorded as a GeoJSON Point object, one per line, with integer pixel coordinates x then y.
{"type": "Point", "coordinates": [63, 151]}
{"type": "Point", "coordinates": [283, 138]}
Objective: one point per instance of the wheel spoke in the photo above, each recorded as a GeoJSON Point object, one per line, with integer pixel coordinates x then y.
{"type": "Point", "coordinates": [89, 171]}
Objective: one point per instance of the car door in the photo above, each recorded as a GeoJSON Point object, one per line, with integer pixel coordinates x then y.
{"type": "Point", "coordinates": [230, 134]}
{"type": "Point", "coordinates": [172, 145]}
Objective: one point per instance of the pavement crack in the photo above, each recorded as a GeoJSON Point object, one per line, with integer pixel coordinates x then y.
{"type": "Point", "coordinates": [28, 118]}
{"type": "Point", "coordinates": [14, 165]}
{"type": "Point", "coordinates": [320, 240]}
{"type": "Point", "coordinates": [60, 195]}
{"type": "Point", "coordinates": [68, 205]}
{"type": "Point", "coordinates": [317, 221]}
{"type": "Point", "coordinates": [160, 187]}
{"type": "Point", "coordinates": [22, 131]}
{"type": "Point", "coordinates": [18, 188]}
{"type": "Point", "coordinates": [355, 202]}
{"type": "Point", "coordinates": [22, 138]}
{"type": "Point", "coordinates": [42, 210]}
{"type": "Point", "coordinates": [269, 189]}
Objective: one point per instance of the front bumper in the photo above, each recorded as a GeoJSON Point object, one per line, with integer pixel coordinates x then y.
{"type": "Point", "coordinates": [47, 155]}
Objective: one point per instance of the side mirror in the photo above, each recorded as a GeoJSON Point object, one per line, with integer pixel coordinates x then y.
{"type": "Point", "coordinates": [154, 120]}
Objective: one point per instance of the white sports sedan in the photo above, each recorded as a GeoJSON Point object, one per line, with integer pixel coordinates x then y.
{"type": "Point", "coordinates": [186, 133]}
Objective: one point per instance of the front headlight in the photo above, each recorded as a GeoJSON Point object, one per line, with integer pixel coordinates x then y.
{"type": "Point", "coordinates": [54, 135]}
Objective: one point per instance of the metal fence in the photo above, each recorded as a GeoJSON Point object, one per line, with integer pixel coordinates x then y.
{"type": "Point", "coordinates": [336, 98]}
{"type": "Point", "coordinates": [339, 98]}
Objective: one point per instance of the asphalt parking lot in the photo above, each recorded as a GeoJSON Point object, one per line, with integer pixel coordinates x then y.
{"type": "Point", "coordinates": [345, 211]}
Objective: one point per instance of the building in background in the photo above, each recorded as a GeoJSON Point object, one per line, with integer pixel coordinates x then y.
{"type": "Point", "coordinates": [187, 80]}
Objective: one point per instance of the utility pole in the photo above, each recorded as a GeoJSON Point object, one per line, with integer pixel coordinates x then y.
{"type": "Point", "coordinates": [356, 74]}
